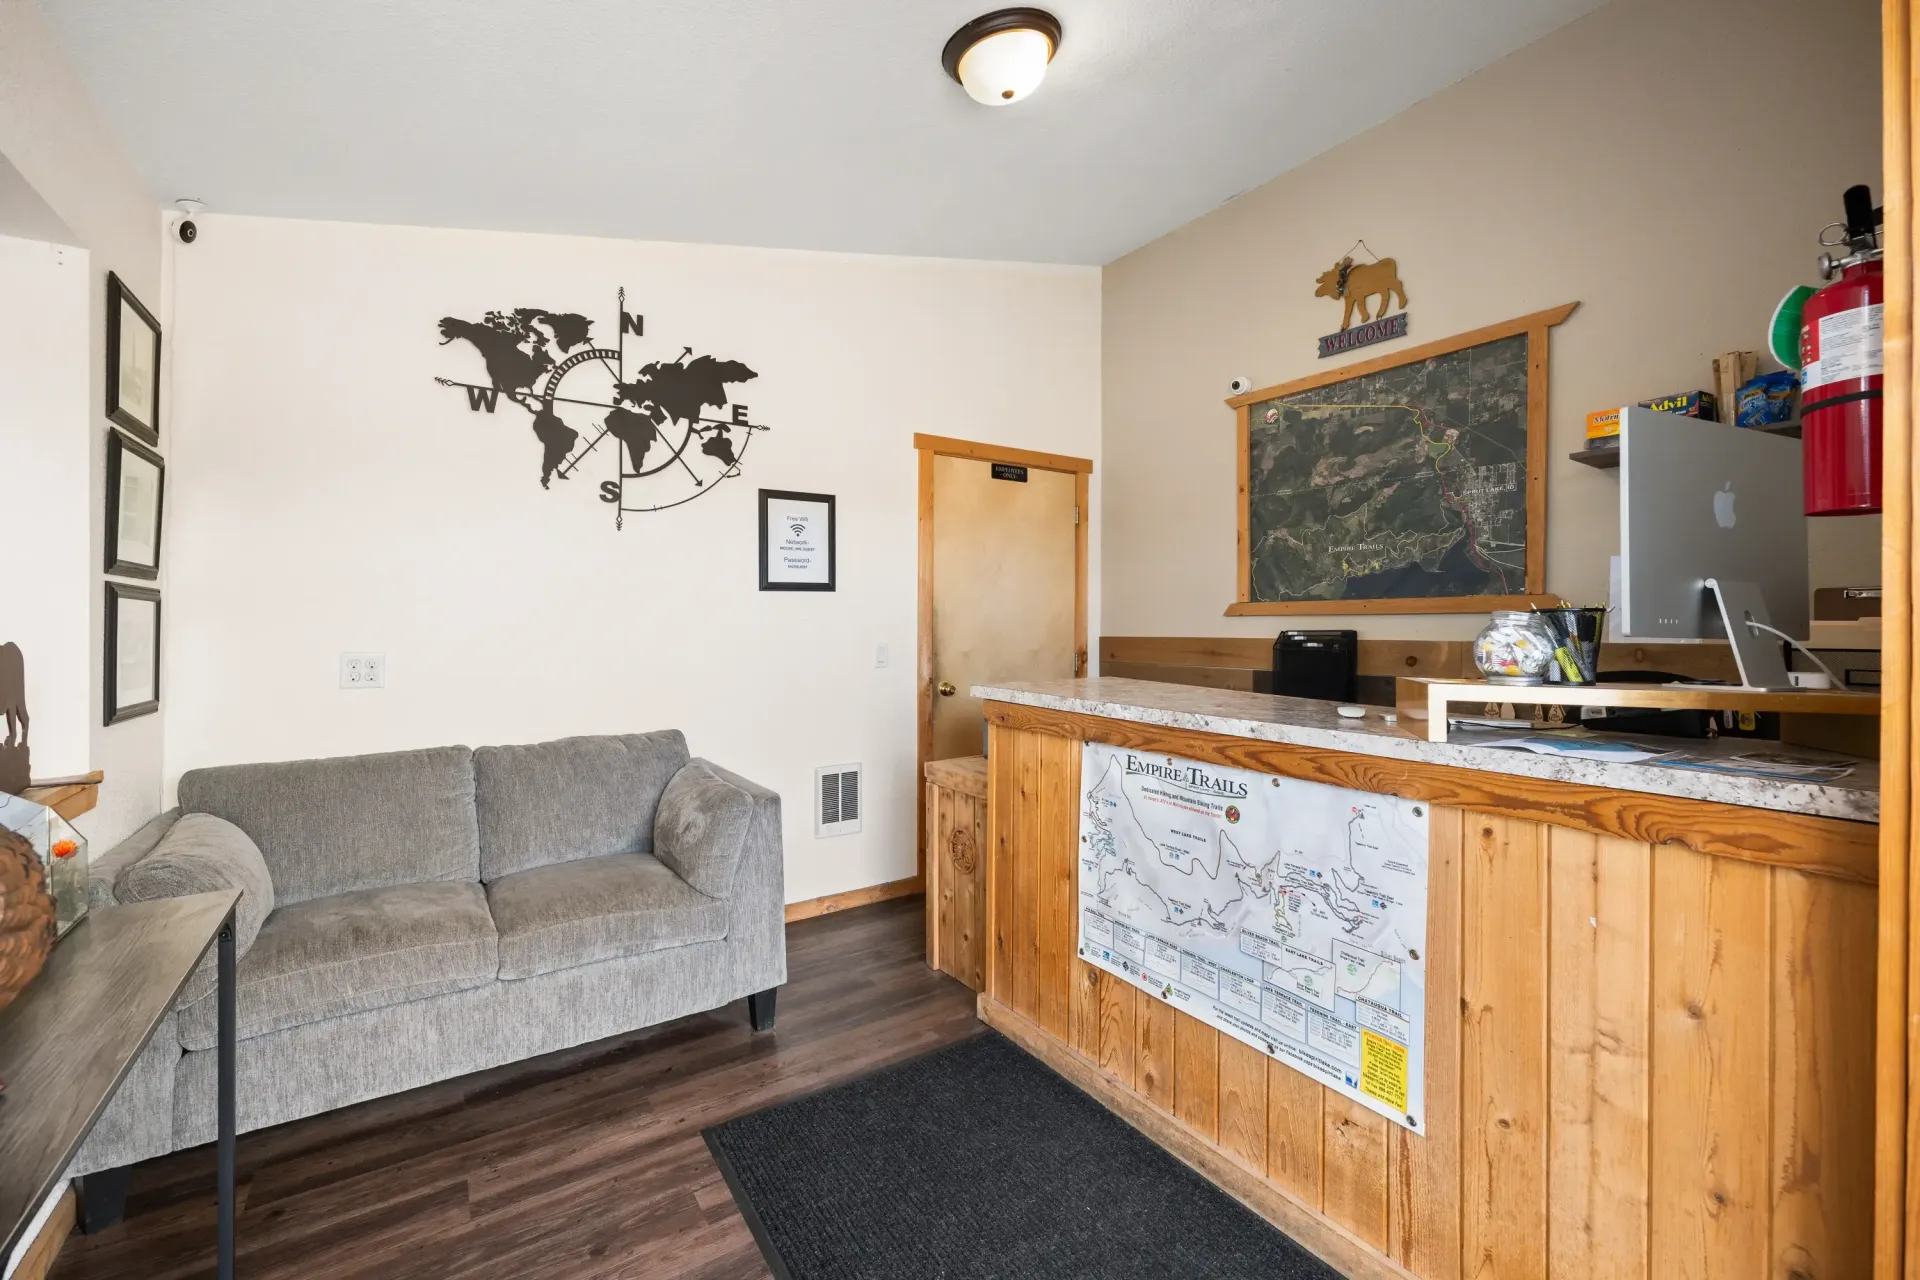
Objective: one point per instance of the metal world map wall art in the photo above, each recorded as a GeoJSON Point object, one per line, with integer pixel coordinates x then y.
{"type": "Point", "coordinates": [647, 432]}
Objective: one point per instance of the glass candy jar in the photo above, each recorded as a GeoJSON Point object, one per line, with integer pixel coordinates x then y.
{"type": "Point", "coordinates": [1513, 648]}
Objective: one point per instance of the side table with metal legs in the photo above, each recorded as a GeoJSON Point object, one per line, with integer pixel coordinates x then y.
{"type": "Point", "coordinates": [225, 1264]}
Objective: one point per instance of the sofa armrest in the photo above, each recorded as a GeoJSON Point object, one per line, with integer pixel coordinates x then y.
{"type": "Point", "coordinates": [701, 825]}
{"type": "Point", "coordinates": [757, 907]}
{"type": "Point", "coordinates": [759, 793]}
{"type": "Point", "coordinates": [105, 871]}
{"type": "Point", "coordinates": [202, 853]}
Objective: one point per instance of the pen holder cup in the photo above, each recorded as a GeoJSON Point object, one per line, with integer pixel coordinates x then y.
{"type": "Point", "coordinates": [1577, 635]}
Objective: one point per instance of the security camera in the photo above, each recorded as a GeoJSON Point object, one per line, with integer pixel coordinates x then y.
{"type": "Point", "coordinates": [1241, 386]}
{"type": "Point", "coordinates": [187, 229]}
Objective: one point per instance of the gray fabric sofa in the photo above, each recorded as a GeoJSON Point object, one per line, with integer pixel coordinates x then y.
{"type": "Point", "coordinates": [442, 911]}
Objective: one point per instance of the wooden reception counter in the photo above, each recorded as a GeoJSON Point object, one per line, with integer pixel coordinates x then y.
{"type": "Point", "coordinates": [1650, 1000]}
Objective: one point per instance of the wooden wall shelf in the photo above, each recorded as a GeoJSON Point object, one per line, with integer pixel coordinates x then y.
{"type": "Point", "coordinates": [1424, 705]}
{"type": "Point", "coordinates": [68, 799]}
{"type": "Point", "coordinates": [1608, 459]}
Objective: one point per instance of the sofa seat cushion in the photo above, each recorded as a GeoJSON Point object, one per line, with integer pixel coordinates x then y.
{"type": "Point", "coordinates": [591, 909]}
{"type": "Point", "coordinates": [351, 952]}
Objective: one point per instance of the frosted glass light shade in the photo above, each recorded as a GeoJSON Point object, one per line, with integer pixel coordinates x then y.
{"type": "Point", "coordinates": [1006, 66]}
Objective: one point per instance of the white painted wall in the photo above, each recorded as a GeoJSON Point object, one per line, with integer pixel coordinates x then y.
{"type": "Point", "coordinates": [44, 459]}
{"type": "Point", "coordinates": [326, 495]}
{"type": "Point", "coordinates": [53, 136]}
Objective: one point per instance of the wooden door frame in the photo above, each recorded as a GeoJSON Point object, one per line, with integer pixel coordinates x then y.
{"type": "Point", "coordinates": [1896, 1243]}
{"type": "Point", "coordinates": [931, 447]}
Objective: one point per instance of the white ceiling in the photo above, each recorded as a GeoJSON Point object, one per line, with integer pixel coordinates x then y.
{"type": "Point", "coordinates": [819, 124]}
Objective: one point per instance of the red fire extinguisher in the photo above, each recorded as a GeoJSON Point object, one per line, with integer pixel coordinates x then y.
{"type": "Point", "coordinates": [1841, 370]}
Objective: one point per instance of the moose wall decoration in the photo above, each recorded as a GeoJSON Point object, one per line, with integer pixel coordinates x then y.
{"type": "Point", "coordinates": [1351, 284]}
{"type": "Point", "coordinates": [15, 767]}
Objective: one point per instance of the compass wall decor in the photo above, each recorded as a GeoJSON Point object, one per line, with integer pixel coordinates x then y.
{"type": "Point", "coordinates": [655, 433]}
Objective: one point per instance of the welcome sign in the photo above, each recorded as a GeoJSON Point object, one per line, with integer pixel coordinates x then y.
{"type": "Point", "coordinates": [1364, 335]}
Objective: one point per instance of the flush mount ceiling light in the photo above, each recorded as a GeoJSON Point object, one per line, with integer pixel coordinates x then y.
{"type": "Point", "coordinates": [1002, 57]}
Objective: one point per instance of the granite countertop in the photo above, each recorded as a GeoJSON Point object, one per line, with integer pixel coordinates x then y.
{"type": "Point", "coordinates": [1307, 723]}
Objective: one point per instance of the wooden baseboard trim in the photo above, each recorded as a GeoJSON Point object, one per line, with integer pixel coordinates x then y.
{"type": "Point", "coordinates": [39, 1258]}
{"type": "Point", "coordinates": [1335, 1246]}
{"type": "Point", "coordinates": [852, 898]}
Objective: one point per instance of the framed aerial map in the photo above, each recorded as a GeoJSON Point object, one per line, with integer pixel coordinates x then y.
{"type": "Point", "coordinates": [1414, 483]}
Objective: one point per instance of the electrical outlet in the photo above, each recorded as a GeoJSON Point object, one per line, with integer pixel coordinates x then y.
{"type": "Point", "coordinates": [881, 654]}
{"type": "Point", "coordinates": [363, 671]}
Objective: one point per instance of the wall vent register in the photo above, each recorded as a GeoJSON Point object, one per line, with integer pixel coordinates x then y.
{"type": "Point", "coordinates": [836, 790]}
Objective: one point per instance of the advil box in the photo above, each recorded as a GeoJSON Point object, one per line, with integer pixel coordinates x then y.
{"type": "Point", "coordinates": [1688, 404]}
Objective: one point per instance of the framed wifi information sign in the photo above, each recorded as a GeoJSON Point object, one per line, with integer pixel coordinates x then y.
{"type": "Point", "coordinates": [796, 541]}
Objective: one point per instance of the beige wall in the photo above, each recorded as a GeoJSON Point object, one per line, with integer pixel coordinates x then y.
{"type": "Point", "coordinates": [54, 138]}
{"type": "Point", "coordinates": [1666, 163]}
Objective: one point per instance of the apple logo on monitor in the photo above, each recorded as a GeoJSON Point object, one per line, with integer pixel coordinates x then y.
{"type": "Point", "coordinates": [1723, 506]}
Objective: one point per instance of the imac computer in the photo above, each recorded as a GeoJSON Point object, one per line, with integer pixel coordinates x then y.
{"type": "Point", "coordinates": [1712, 538]}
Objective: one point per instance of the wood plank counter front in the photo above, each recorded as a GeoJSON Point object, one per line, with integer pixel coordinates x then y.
{"type": "Point", "coordinates": [1650, 1012]}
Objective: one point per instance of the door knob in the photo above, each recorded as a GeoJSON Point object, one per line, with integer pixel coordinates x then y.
{"type": "Point", "coordinates": [946, 688]}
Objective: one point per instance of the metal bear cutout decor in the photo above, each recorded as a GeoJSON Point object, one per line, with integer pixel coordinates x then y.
{"type": "Point", "coordinates": [15, 770]}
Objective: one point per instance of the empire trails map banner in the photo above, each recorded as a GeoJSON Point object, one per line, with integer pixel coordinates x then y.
{"type": "Point", "coordinates": [1290, 915]}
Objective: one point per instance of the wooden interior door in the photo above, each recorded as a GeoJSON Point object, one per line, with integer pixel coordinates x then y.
{"type": "Point", "coordinates": [993, 561]}
{"type": "Point", "coordinates": [1003, 589]}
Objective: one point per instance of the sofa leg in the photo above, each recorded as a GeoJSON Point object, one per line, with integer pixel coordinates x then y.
{"type": "Point", "coordinates": [103, 1198]}
{"type": "Point", "coordinates": [760, 1009]}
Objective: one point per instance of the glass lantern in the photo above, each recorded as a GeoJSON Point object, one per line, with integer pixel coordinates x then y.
{"type": "Point", "coordinates": [63, 855]}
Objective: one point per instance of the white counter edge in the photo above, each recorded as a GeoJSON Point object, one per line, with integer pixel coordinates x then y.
{"type": "Point", "coordinates": [1813, 799]}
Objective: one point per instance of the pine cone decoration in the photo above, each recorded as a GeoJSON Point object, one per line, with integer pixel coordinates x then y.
{"type": "Point", "coordinates": [26, 916]}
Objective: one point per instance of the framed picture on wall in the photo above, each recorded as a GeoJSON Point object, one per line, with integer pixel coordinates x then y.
{"type": "Point", "coordinates": [796, 541]}
{"type": "Point", "coordinates": [132, 678]}
{"type": "Point", "coordinates": [1466, 530]}
{"type": "Point", "coordinates": [136, 483]}
{"type": "Point", "coordinates": [133, 363]}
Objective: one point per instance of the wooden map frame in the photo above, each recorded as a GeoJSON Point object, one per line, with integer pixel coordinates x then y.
{"type": "Point", "coordinates": [1536, 327]}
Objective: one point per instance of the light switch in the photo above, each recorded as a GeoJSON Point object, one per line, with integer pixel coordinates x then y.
{"type": "Point", "coordinates": [881, 655]}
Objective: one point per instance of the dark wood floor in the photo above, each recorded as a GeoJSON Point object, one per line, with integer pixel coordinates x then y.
{"type": "Point", "coordinates": [582, 1164]}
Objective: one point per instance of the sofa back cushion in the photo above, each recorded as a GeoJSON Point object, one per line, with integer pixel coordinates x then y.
{"type": "Point", "coordinates": [355, 822]}
{"type": "Point", "coordinates": [575, 798]}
